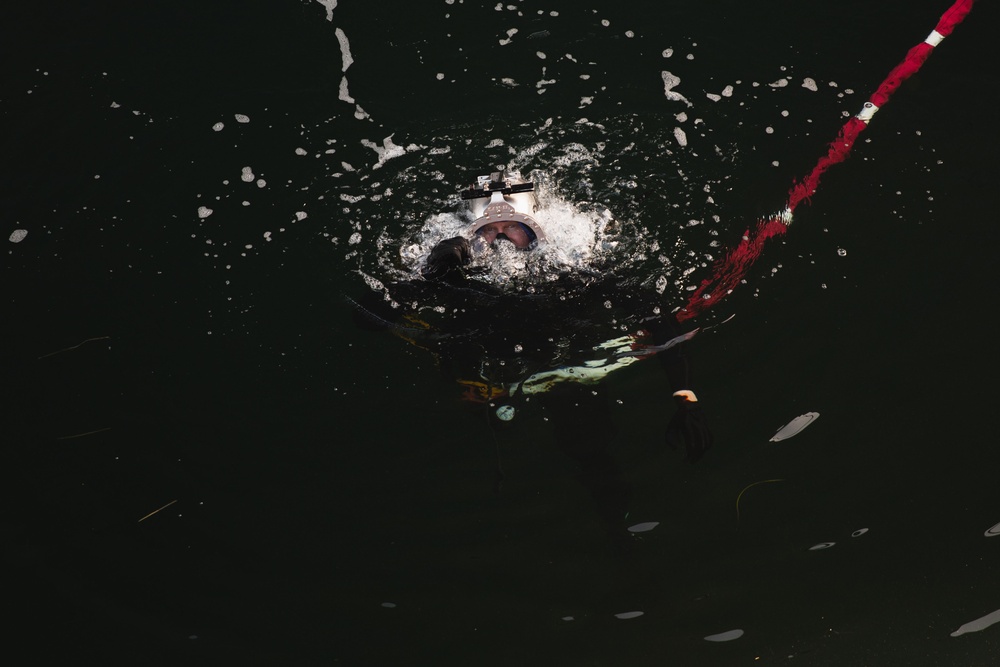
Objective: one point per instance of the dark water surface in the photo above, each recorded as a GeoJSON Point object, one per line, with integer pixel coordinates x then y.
{"type": "Point", "coordinates": [325, 497]}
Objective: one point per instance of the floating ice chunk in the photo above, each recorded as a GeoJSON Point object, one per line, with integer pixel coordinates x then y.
{"type": "Point", "coordinates": [218, 127]}
{"type": "Point", "coordinates": [440, 76]}
{"type": "Point", "coordinates": [247, 175]}
{"type": "Point", "coordinates": [978, 624]}
{"type": "Point", "coordinates": [794, 427]}
{"type": "Point", "coordinates": [780, 83]}
{"type": "Point", "coordinates": [18, 235]}
{"type": "Point", "coordinates": [713, 97]}
{"type": "Point", "coordinates": [991, 532]}
{"type": "Point", "coordinates": [301, 215]}
{"type": "Point", "coordinates": [386, 151]}
{"type": "Point", "coordinates": [510, 33]}
{"type": "Point", "coordinates": [344, 95]}
{"type": "Point", "coordinates": [667, 53]}
{"type": "Point", "coordinates": [644, 527]}
{"type": "Point", "coordinates": [330, 6]}
{"type": "Point", "coordinates": [300, 151]}
{"type": "Point", "coordinates": [204, 212]}
{"type": "Point", "coordinates": [680, 136]}
{"type": "Point", "coordinates": [625, 615]}
{"type": "Point", "coordinates": [727, 91]}
{"type": "Point", "coordinates": [541, 54]}
{"type": "Point", "coordinates": [810, 84]}
{"type": "Point", "coordinates": [345, 50]}
{"type": "Point", "coordinates": [669, 82]}
{"type": "Point", "coordinates": [242, 118]}
{"type": "Point", "coordinates": [727, 636]}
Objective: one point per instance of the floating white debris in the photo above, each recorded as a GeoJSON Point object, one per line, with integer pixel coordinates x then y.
{"type": "Point", "coordinates": [644, 527]}
{"type": "Point", "coordinates": [242, 118]}
{"type": "Point", "coordinates": [991, 532]}
{"type": "Point", "coordinates": [625, 615]}
{"type": "Point", "coordinates": [794, 427]}
{"type": "Point", "coordinates": [727, 91]}
{"type": "Point", "coordinates": [713, 97]}
{"type": "Point", "coordinates": [345, 50]}
{"type": "Point", "coordinates": [218, 127]}
{"type": "Point", "coordinates": [821, 545]}
{"type": "Point", "coordinates": [300, 151]}
{"type": "Point", "coordinates": [247, 175]}
{"type": "Point", "coordinates": [18, 235]}
{"type": "Point", "coordinates": [810, 84]}
{"type": "Point", "coordinates": [204, 212]}
{"type": "Point", "coordinates": [978, 624]}
{"type": "Point", "coordinates": [670, 81]}
{"type": "Point", "coordinates": [727, 636]}
{"type": "Point", "coordinates": [301, 215]}
{"type": "Point", "coordinates": [680, 136]}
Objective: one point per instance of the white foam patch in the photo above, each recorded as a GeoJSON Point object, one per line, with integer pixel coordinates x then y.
{"type": "Point", "coordinates": [670, 81]}
{"type": "Point", "coordinates": [204, 212]}
{"type": "Point", "coordinates": [218, 127]}
{"type": "Point", "coordinates": [242, 118]}
{"type": "Point", "coordinates": [680, 136]}
{"type": "Point", "coordinates": [810, 84]}
{"type": "Point", "coordinates": [17, 235]}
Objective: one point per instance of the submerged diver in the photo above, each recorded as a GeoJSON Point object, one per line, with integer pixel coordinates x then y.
{"type": "Point", "coordinates": [503, 348]}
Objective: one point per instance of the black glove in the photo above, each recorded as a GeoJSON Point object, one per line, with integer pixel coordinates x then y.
{"type": "Point", "coordinates": [447, 255]}
{"type": "Point", "coordinates": [689, 426]}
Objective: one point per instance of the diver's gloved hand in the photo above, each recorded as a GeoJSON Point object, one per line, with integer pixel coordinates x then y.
{"type": "Point", "coordinates": [446, 255]}
{"type": "Point", "coordinates": [689, 426]}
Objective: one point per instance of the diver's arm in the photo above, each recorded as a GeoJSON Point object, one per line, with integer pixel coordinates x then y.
{"type": "Point", "coordinates": [688, 424]}
{"type": "Point", "coordinates": [447, 257]}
